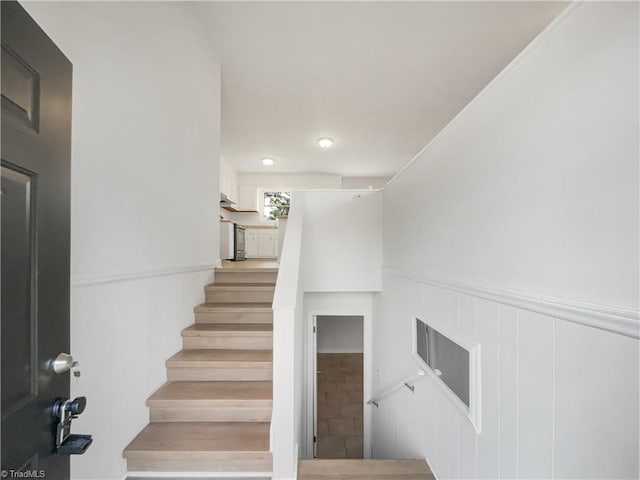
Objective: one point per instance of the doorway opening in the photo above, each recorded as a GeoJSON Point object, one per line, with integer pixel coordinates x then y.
{"type": "Point", "coordinates": [339, 347]}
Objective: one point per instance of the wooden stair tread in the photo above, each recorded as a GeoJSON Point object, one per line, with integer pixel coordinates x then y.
{"type": "Point", "coordinates": [356, 469]}
{"type": "Point", "coordinates": [204, 358]}
{"type": "Point", "coordinates": [201, 437]}
{"type": "Point", "coordinates": [202, 394]}
{"type": "Point", "coordinates": [241, 286]}
{"type": "Point", "coordinates": [212, 329]}
{"type": "Point", "coordinates": [234, 307]}
{"type": "Point", "coordinates": [247, 269]}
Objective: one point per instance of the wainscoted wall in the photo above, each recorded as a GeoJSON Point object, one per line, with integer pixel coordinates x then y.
{"type": "Point", "coordinates": [122, 332]}
{"type": "Point", "coordinates": [559, 399]}
{"type": "Point", "coordinates": [532, 188]}
{"type": "Point", "coordinates": [144, 203]}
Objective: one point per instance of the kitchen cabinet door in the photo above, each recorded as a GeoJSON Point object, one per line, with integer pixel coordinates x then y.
{"type": "Point", "coordinates": [266, 246]}
{"type": "Point", "coordinates": [251, 245]}
{"type": "Point", "coordinates": [247, 198]}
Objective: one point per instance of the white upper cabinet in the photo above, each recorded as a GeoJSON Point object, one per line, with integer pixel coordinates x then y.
{"type": "Point", "coordinates": [228, 180]}
{"type": "Point", "coordinates": [247, 198]}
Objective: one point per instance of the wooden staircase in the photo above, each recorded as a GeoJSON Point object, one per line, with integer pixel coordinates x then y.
{"type": "Point", "coordinates": [214, 412]}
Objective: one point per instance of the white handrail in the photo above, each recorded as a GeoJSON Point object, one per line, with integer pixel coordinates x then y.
{"type": "Point", "coordinates": [407, 382]}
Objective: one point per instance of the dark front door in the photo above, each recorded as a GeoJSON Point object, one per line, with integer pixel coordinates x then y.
{"type": "Point", "coordinates": [35, 155]}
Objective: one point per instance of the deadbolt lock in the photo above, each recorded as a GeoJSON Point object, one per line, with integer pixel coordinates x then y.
{"type": "Point", "coordinates": [65, 410]}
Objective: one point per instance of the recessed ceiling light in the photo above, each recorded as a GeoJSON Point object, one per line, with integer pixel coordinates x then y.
{"type": "Point", "coordinates": [268, 161]}
{"type": "Point", "coordinates": [325, 142]}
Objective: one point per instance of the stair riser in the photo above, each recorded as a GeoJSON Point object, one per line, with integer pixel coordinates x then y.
{"type": "Point", "coordinates": [231, 317]}
{"type": "Point", "coordinates": [173, 463]}
{"type": "Point", "coordinates": [178, 374]}
{"type": "Point", "coordinates": [245, 277]}
{"type": "Point", "coordinates": [211, 414]}
{"type": "Point", "coordinates": [228, 343]}
{"type": "Point", "coordinates": [239, 296]}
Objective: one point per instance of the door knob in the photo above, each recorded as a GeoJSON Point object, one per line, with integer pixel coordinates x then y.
{"type": "Point", "coordinates": [63, 363]}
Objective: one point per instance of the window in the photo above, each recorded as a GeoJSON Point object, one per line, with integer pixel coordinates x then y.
{"type": "Point", "coordinates": [276, 204]}
{"type": "Point", "coordinates": [446, 358]}
{"type": "Point", "coordinates": [453, 363]}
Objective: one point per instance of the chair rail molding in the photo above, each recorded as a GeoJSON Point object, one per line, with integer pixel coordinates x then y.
{"type": "Point", "coordinates": [610, 319]}
{"type": "Point", "coordinates": [87, 280]}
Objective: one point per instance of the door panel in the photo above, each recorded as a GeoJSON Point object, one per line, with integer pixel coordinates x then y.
{"type": "Point", "coordinates": [19, 343]}
{"type": "Point", "coordinates": [35, 185]}
{"type": "Point", "coordinates": [20, 88]}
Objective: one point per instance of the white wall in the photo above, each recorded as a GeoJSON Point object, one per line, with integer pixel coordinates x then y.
{"type": "Point", "coordinates": [252, 185]}
{"type": "Point", "coordinates": [291, 180]}
{"type": "Point", "coordinates": [339, 334]}
{"type": "Point", "coordinates": [364, 182]}
{"type": "Point", "coordinates": [146, 103]}
{"type": "Point", "coordinates": [532, 188]}
{"type": "Point", "coordinates": [559, 399]}
{"type": "Point", "coordinates": [341, 258]}
{"type": "Point", "coordinates": [343, 246]}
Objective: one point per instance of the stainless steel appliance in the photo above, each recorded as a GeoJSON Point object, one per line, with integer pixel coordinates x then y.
{"type": "Point", "coordinates": [239, 243]}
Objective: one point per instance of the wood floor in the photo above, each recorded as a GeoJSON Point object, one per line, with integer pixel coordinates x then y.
{"type": "Point", "coordinates": [364, 470]}
{"type": "Point", "coordinates": [251, 263]}
{"type": "Point", "coordinates": [214, 413]}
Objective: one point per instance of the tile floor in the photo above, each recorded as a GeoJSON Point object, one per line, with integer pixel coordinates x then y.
{"type": "Point", "coordinates": [340, 405]}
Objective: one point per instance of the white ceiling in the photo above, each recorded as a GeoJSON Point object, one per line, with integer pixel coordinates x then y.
{"type": "Point", "coordinates": [381, 78]}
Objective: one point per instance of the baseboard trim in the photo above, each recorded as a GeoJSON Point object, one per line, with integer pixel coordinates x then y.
{"type": "Point", "coordinates": [82, 280]}
{"type": "Point", "coordinates": [431, 469]}
{"type": "Point", "coordinates": [615, 320]}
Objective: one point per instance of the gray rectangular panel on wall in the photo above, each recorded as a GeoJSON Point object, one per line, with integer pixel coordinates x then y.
{"type": "Point", "coordinates": [449, 360]}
